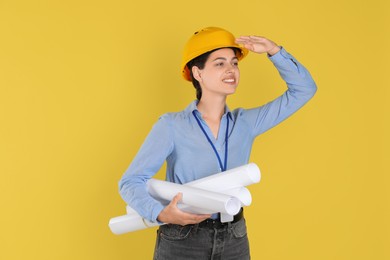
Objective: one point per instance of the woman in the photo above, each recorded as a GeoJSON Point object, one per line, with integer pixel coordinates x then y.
{"type": "Point", "coordinates": [206, 138]}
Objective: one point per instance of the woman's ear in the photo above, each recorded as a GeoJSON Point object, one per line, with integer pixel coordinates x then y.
{"type": "Point", "coordinates": [196, 72]}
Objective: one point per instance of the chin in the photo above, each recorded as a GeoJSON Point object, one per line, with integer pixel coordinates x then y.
{"type": "Point", "coordinates": [231, 92]}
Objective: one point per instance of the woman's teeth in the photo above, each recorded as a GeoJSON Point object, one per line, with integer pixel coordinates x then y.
{"type": "Point", "coordinates": [228, 80]}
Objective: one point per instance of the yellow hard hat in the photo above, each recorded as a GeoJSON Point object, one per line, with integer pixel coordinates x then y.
{"type": "Point", "coordinates": [205, 40]}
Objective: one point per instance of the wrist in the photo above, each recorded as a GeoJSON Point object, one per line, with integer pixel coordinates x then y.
{"type": "Point", "coordinates": [273, 50]}
{"type": "Point", "coordinates": [162, 216]}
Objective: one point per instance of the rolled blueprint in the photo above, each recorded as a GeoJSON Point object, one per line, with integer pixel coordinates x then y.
{"type": "Point", "coordinates": [230, 182]}
{"type": "Point", "coordinates": [133, 221]}
{"type": "Point", "coordinates": [130, 210]}
{"type": "Point", "coordinates": [195, 197]}
{"type": "Point", "coordinates": [128, 223]}
{"type": "Point", "coordinates": [242, 194]}
{"type": "Point", "coordinates": [234, 178]}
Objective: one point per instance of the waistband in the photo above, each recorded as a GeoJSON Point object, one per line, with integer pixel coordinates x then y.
{"type": "Point", "coordinates": [216, 223]}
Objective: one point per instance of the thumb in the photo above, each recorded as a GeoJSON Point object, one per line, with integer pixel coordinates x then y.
{"type": "Point", "coordinates": [176, 199]}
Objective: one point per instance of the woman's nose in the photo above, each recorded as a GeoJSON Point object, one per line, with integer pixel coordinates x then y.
{"type": "Point", "coordinates": [230, 69]}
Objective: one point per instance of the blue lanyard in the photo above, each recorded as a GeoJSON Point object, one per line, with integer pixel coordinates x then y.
{"type": "Point", "coordinates": [223, 167]}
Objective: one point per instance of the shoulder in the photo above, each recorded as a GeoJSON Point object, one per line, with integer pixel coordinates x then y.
{"type": "Point", "coordinates": [173, 116]}
{"type": "Point", "coordinates": [247, 115]}
{"type": "Point", "coordinates": [177, 117]}
{"type": "Point", "coordinates": [239, 112]}
{"type": "Point", "coordinates": [174, 119]}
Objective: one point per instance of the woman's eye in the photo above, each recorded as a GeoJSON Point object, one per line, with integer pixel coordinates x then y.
{"type": "Point", "coordinates": [220, 64]}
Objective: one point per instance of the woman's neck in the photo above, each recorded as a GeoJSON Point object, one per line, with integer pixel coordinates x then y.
{"type": "Point", "coordinates": [212, 108]}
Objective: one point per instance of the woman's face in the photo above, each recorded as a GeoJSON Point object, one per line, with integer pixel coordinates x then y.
{"type": "Point", "coordinates": [220, 74]}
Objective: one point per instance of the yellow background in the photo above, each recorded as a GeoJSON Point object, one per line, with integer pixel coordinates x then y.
{"type": "Point", "coordinates": [82, 82]}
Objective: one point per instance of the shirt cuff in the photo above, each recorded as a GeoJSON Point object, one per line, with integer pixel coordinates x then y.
{"type": "Point", "coordinates": [157, 212]}
{"type": "Point", "coordinates": [281, 57]}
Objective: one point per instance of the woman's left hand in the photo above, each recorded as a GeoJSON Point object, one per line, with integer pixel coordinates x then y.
{"type": "Point", "coordinates": [258, 44]}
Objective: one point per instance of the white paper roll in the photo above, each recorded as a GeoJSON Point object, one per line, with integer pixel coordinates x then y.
{"type": "Point", "coordinates": [130, 210]}
{"type": "Point", "coordinates": [234, 178]}
{"type": "Point", "coordinates": [129, 223]}
{"type": "Point", "coordinates": [242, 194]}
{"type": "Point", "coordinates": [195, 197]}
{"type": "Point", "coordinates": [230, 183]}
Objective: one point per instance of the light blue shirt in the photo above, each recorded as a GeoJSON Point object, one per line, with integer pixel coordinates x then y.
{"type": "Point", "coordinates": [177, 139]}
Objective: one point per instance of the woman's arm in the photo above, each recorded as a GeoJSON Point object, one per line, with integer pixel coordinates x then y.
{"type": "Point", "coordinates": [301, 86]}
{"type": "Point", "coordinates": [149, 159]}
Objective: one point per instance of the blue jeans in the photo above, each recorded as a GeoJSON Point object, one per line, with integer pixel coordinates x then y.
{"type": "Point", "coordinates": [228, 241]}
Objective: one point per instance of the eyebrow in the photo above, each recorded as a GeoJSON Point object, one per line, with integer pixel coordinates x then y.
{"type": "Point", "coordinates": [223, 58]}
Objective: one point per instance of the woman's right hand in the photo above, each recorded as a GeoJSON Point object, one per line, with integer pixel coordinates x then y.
{"type": "Point", "coordinates": [171, 214]}
{"type": "Point", "coordinates": [258, 44]}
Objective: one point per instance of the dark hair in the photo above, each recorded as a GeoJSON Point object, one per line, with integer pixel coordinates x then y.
{"type": "Point", "coordinates": [200, 62]}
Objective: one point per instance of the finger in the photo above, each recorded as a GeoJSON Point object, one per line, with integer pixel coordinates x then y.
{"type": "Point", "coordinates": [193, 216]}
{"type": "Point", "coordinates": [245, 44]}
{"type": "Point", "coordinates": [248, 46]}
{"type": "Point", "coordinates": [176, 199]}
{"type": "Point", "coordinates": [204, 216]}
{"type": "Point", "coordinates": [194, 220]}
{"type": "Point", "coordinates": [258, 39]}
{"type": "Point", "coordinates": [250, 38]}
{"type": "Point", "coordinates": [243, 38]}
